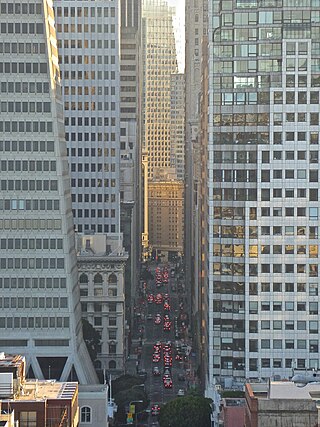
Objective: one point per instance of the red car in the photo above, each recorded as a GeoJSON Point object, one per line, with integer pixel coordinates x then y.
{"type": "Point", "coordinates": [167, 383]}
{"type": "Point", "coordinates": [156, 358]}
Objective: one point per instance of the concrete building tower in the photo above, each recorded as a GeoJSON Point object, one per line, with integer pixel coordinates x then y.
{"type": "Point", "coordinates": [89, 51]}
{"type": "Point", "coordinates": [160, 61]}
{"type": "Point", "coordinates": [177, 130]}
{"type": "Point", "coordinates": [40, 307]}
{"type": "Point", "coordinates": [263, 189]}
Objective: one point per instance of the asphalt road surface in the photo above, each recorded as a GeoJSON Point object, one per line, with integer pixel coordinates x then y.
{"type": "Point", "coordinates": [152, 333]}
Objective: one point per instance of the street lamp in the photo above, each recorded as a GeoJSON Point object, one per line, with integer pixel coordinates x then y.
{"type": "Point", "coordinates": [136, 415]}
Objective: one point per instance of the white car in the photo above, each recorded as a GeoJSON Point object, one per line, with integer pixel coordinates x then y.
{"type": "Point", "coordinates": [181, 392]}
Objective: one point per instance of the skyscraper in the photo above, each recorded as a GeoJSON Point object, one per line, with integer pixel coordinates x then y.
{"type": "Point", "coordinates": [40, 314]}
{"type": "Point", "coordinates": [160, 62]}
{"type": "Point", "coordinates": [89, 43]}
{"type": "Point", "coordinates": [262, 189]}
{"type": "Point", "coordinates": [177, 128]}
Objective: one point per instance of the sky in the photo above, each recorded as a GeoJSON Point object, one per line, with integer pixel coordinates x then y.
{"type": "Point", "coordinates": [179, 30]}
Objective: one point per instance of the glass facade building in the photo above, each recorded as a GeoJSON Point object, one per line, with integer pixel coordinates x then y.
{"type": "Point", "coordinates": [263, 201]}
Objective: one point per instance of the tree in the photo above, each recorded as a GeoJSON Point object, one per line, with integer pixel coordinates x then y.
{"type": "Point", "coordinates": [92, 339]}
{"type": "Point", "coordinates": [126, 389]}
{"type": "Point", "coordinates": [186, 411]}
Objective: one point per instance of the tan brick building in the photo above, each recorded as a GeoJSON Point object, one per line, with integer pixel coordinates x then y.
{"type": "Point", "coordinates": [166, 212]}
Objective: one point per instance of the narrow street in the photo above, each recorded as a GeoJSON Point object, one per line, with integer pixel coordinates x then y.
{"type": "Point", "coordinates": [159, 298]}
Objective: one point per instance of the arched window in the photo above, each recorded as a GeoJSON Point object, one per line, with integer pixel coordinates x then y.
{"type": "Point", "coordinates": [97, 279]}
{"type": "Point", "coordinates": [98, 364]}
{"type": "Point", "coordinates": [112, 364]}
{"type": "Point", "coordinates": [83, 279]}
{"type": "Point", "coordinates": [112, 280]}
{"type": "Point", "coordinates": [86, 414]}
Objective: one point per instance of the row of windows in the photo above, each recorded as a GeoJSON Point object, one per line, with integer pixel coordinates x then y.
{"type": "Point", "coordinates": [86, 12]}
{"type": "Point", "coordinates": [238, 269]}
{"type": "Point", "coordinates": [25, 107]}
{"type": "Point", "coordinates": [250, 194]}
{"type": "Point", "coordinates": [93, 198]}
{"type": "Point", "coordinates": [34, 322]}
{"type": "Point", "coordinates": [86, 28]}
{"type": "Point", "coordinates": [28, 165]}
{"type": "Point", "coordinates": [236, 175]}
{"type": "Point", "coordinates": [93, 183]}
{"type": "Point", "coordinates": [287, 325]}
{"type": "Point", "coordinates": [88, 75]}
{"type": "Point", "coordinates": [251, 156]}
{"type": "Point", "coordinates": [21, 28]}
{"type": "Point", "coordinates": [279, 306]}
{"type": "Point", "coordinates": [30, 224]}
{"type": "Point", "coordinates": [29, 185]}
{"type": "Point", "coordinates": [31, 263]}
{"type": "Point", "coordinates": [280, 363]}
{"type": "Point", "coordinates": [267, 81]}
{"type": "Point", "coordinates": [86, 59]}
{"type": "Point", "coordinates": [89, 106]}
{"type": "Point", "coordinates": [93, 167]}
{"type": "Point", "coordinates": [287, 344]}
{"type": "Point", "coordinates": [79, 44]}
{"type": "Point", "coordinates": [93, 213]}
{"type": "Point", "coordinates": [34, 302]}
{"type": "Point", "coordinates": [23, 67]}
{"type": "Point", "coordinates": [27, 146]}
{"type": "Point", "coordinates": [254, 288]}
{"type": "Point", "coordinates": [36, 48]}
{"type": "Point", "coordinates": [89, 90]}
{"type": "Point", "coordinates": [238, 213]}
{"type": "Point", "coordinates": [237, 231]}
{"type": "Point", "coordinates": [90, 121]}
{"type": "Point", "coordinates": [33, 282]}
{"type": "Point", "coordinates": [17, 8]}
{"type": "Point", "coordinates": [238, 250]}
{"type": "Point", "coordinates": [24, 87]}
{"type": "Point", "coordinates": [25, 126]}
{"type": "Point", "coordinates": [105, 228]}
{"type": "Point", "coordinates": [31, 244]}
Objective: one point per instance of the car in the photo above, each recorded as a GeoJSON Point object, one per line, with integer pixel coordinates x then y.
{"type": "Point", "coordinates": [167, 371]}
{"type": "Point", "coordinates": [166, 306]}
{"type": "Point", "coordinates": [150, 298]}
{"type": "Point", "coordinates": [157, 345]}
{"type": "Point", "coordinates": [167, 383]}
{"type": "Point", "coordinates": [181, 392]}
{"type": "Point", "coordinates": [157, 319]}
{"type": "Point", "coordinates": [167, 326]}
{"type": "Point", "coordinates": [156, 358]}
{"type": "Point", "coordinates": [155, 410]}
{"type": "Point", "coordinates": [156, 371]}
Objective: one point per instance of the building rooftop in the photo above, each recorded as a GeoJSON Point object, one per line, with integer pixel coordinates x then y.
{"type": "Point", "coordinates": [43, 390]}
{"type": "Point", "coordinates": [10, 360]}
{"type": "Point", "coordinates": [282, 390]}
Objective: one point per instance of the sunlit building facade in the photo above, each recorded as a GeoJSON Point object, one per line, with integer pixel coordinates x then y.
{"type": "Point", "coordinates": [177, 129]}
{"type": "Point", "coordinates": [40, 302]}
{"type": "Point", "coordinates": [160, 61]}
{"type": "Point", "coordinates": [263, 207]}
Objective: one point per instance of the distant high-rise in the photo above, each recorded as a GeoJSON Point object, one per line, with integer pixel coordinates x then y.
{"type": "Point", "coordinates": [40, 307]}
{"type": "Point", "coordinates": [160, 61]}
{"type": "Point", "coordinates": [263, 188]}
{"type": "Point", "coordinates": [89, 45]}
{"type": "Point", "coordinates": [177, 128]}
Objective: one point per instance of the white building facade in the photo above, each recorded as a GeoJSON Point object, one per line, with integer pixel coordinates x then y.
{"type": "Point", "coordinates": [40, 305]}
{"type": "Point", "coordinates": [89, 52]}
{"type": "Point", "coordinates": [263, 208]}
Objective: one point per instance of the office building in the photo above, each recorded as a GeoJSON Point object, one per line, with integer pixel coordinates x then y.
{"type": "Point", "coordinates": [40, 307]}
{"type": "Point", "coordinates": [177, 128]}
{"type": "Point", "coordinates": [166, 214]}
{"type": "Point", "coordinates": [262, 188]}
{"type": "Point", "coordinates": [160, 62]}
{"type": "Point", "coordinates": [101, 264]}
{"type": "Point", "coordinates": [195, 183]}
{"type": "Point", "coordinates": [130, 142]}
{"type": "Point", "coordinates": [89, 53]}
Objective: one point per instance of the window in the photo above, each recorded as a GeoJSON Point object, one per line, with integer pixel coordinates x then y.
{"type": "Point", "coordinates": [86, 414]}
